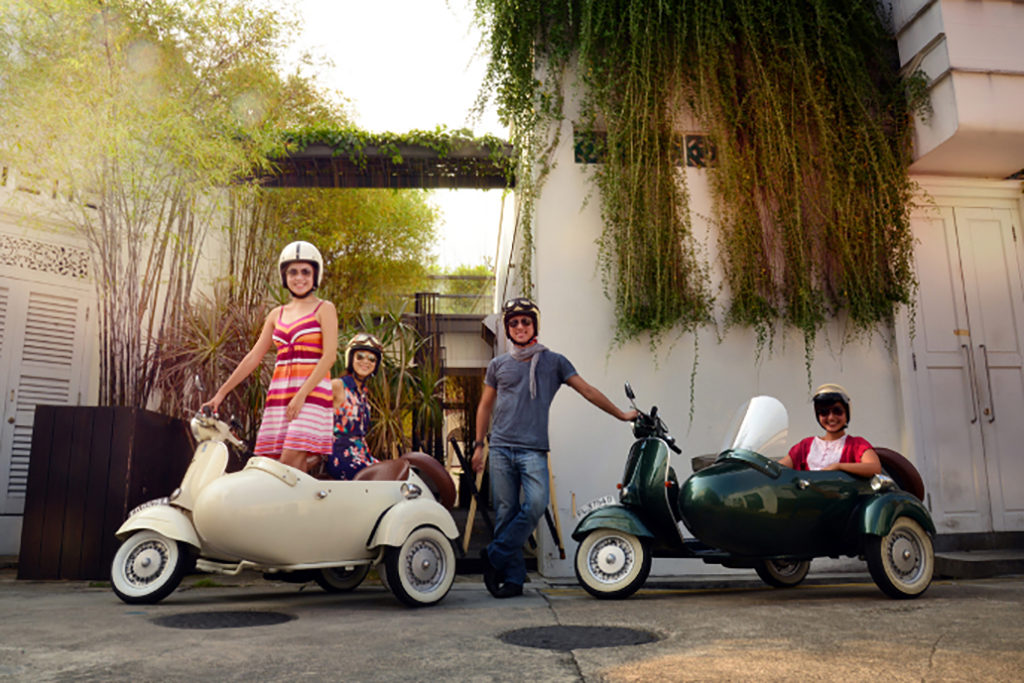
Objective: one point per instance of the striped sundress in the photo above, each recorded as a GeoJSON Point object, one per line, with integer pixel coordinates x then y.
{"type": "Point", "coordinates": [299, 348]}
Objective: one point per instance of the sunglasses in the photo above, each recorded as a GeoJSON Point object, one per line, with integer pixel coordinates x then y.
{"type": "Point", "coordinates": [836, 411]}
{"type": "Point", "coordinates": [517, 322]}
{"type": "Point", "coordinates": [296, 272]}
{"type": "Point", "coordinates": [365, 357]}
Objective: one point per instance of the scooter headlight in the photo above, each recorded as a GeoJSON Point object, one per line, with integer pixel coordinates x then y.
{"type": "Point", "coordinates": [882, 482]}
{"type": "Point", "coordinates": [411, 491]}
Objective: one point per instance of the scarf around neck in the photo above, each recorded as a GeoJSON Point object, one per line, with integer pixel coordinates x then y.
{"type": "Point", "coordinates": [531, 352]}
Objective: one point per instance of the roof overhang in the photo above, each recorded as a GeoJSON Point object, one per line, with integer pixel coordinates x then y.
{"type": "Point", "coordinates": [404, 166]}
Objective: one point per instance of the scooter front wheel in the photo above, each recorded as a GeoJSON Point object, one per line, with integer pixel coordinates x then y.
{"type": "Point", "coordinates": [612, 564]}
{"type": "Point", "coordinates": [421, 571]}
{"type": "Point", "coordinates": [148, 567]}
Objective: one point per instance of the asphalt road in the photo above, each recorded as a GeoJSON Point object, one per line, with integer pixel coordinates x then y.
{"type": "Point", "coordinates": [957, 631]}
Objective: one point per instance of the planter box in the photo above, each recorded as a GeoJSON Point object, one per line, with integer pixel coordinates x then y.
{"type": "Point", "coordinates": [88, 467]}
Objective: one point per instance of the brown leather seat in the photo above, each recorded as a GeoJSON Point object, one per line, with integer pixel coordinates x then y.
{"type": "Point", "coordinates": [434, 475]}
{"type": "Point", "coordinates": [902, 471]}
{"type": "Point", "coordinates": [385, 470]}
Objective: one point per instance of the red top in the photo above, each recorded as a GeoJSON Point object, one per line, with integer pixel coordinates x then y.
{"type": "Point", "coordinates": [853, 450]}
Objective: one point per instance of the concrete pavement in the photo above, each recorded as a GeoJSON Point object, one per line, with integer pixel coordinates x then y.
{"type": "Point", "coordinates": [841, 630]}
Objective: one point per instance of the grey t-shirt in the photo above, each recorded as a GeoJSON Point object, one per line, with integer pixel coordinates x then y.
{"type": "Point", "coordinates": [518, 420]}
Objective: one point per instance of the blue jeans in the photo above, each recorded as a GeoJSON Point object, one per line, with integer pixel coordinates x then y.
{"type": "Point", "coordinates": [512, 470]}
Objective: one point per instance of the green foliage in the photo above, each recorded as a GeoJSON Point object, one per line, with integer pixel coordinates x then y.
{"type": "Point", "coordinates": [139, 108]}
{"type": "Point", "coordinates": [353, 143]}
{"type": "Point", "coordinates": [811, 127]}
{"type": "Point", "coordinates": [376, 243]}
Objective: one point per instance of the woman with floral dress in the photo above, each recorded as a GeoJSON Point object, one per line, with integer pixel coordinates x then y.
{"type": "Point", "coordinates": [352, 408]}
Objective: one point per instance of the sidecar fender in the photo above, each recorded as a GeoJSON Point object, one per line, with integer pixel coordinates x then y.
{"type": "Point", "coordinates": [879, 513]}
{"type": "Point", "coordinates": [612, 517]}
{"type": "Point", "coordinates": [164, 519]}
{"type": "Point", "coordinates": [399, 520]}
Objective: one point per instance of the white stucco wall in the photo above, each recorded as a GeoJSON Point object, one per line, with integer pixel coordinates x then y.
{"type": "Point", "coordinates": [588, 447]}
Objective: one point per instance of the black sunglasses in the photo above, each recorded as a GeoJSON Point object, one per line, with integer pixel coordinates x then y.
{"type": "Point", "coordinates": [516, 322]}
{"type": "Point", "coordinates": [837, 410]}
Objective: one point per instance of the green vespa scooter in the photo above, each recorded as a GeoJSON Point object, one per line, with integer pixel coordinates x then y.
{"type": "Point", "coordinates": [745, 510]}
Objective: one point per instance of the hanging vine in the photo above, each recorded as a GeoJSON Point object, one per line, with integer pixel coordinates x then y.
{"type": "Point", "coordinates": [810, 124]}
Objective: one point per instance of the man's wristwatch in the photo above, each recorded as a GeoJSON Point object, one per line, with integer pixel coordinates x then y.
{"type": "Point", "coordinates": [477, 444]}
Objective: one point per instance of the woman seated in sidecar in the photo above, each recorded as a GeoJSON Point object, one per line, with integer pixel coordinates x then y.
{"type": "Point", "coordinates": [836, 450]}
{"type": "Point", "coordinates": [363, 355]}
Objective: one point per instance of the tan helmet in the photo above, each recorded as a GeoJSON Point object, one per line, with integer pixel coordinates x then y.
{"type": "Point", "coordinates": [304, 252]}
{"type": "Point", "coordinates": [829, 394]}
{"type": "Point", "coordinates": [363, 342]}
{"type": "Point", "coordinates": [520, 306]}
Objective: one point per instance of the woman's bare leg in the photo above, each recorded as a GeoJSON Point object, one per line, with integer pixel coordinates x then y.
{"type": "Point", "coordinates": [296, 459]}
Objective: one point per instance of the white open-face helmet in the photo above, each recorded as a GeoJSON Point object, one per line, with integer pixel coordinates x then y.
{"type": "Point", "coordinates": [304, 252]}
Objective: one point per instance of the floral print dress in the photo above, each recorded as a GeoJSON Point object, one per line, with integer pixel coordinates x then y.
{"type": "Point", "coordinates": [351, 423]}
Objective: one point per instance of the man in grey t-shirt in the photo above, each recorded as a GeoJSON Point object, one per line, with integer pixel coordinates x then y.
{"type": "Point", "coordinates": [518, 389]}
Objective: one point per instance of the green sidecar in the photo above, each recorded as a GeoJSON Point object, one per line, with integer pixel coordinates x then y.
{"type": "Point", "coordinates": [744, 510]}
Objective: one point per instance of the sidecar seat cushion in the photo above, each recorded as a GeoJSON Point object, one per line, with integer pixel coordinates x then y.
{"type": "Point", "coordinates": [385, 470]}
{"type": "Point", "coordinates": [902, 471]}
{"type": "Point", "coordinates": [435, 476]}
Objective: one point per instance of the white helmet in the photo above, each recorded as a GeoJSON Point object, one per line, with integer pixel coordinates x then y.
{"type": "Point", "coordinates": [301, 251]}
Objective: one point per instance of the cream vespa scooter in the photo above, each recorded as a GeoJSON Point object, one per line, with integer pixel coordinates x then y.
{"type": "Point", "coordinates": [276, 519]}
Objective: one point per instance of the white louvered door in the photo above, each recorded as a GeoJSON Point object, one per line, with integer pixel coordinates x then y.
{"type": "Point", "coordinates": [43, 338]}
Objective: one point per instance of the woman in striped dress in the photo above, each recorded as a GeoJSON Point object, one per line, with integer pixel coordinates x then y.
{"type": "Point", "coordinates": [297, 418]}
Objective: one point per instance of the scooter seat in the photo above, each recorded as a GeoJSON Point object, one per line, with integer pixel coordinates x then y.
{"type": "Point", "coordinates": [385, 470]}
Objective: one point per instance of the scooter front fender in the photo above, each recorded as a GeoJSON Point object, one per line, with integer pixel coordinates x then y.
{"type": "Point", "coordinates": [879, 513]}
{"type": "Point", "coordinates": [615, 517]}
{"type": "Point", "coordinates": [163, 519]}
{"type": "Point", "coordinates": [399, 520]}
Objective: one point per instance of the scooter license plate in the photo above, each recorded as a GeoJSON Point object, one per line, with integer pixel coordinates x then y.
{"type": "Point", "coordinates": [596, 504]}
{"type": "Point", "coordinates": [148, 504]}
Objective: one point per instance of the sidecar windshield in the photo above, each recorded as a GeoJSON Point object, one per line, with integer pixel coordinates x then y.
{"type": "Point", "coordinates": [761, 425]}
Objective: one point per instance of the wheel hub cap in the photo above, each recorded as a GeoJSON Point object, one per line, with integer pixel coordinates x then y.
{"type": "Point", "coordinates": [424, 564]}
{"type": "Point", "coordinates": [146, 562]}
{"type": "Point", "coordinates": [904, 555]}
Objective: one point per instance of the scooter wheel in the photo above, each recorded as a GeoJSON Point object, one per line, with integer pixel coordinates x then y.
{"type": "Point", "coordinates": [148, 567]}
{"type": "Point", "coordinates": [421, 571]}
{"type": "Point", "coordinates": [612, 564]}
{"type": "Point", "coordinates": [782, 573]}
{"type": "Point", "coordinates": [341, 580]}
{"type": "Point", "coordinates": [901, 562]}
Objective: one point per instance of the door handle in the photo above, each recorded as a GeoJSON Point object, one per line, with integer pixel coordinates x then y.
{"type": "Point", "coordinates": [971, 383]}
{"type": "Point", "coordinates": [991, 409]}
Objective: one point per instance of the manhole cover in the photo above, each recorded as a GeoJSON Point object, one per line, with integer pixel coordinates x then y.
{"type": "Point", "coordinates": [565, 638]}
{"type": "Point", "coordinates": [208, 620]}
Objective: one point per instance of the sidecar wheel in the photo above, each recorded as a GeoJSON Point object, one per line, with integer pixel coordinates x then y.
{"type": "Point", "coordinates": [148, 567]}
{"type": "Point", "coordinates": [341, 580]}
{"type": "Point", "coordinates": [782, 573]}
{"type": "Point", "coordinates": [612, 564]}
{"type": "Point", "coordinates": [901, 562]}
{"type": "Point", "coordinates": [422, 570]}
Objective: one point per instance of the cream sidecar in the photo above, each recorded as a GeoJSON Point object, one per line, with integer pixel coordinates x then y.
{"type": "Point", "coordinates": [273, 518]}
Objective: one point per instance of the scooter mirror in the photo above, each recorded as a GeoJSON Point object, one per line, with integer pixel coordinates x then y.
{"type": "Point", "coordinates": [629, 392]}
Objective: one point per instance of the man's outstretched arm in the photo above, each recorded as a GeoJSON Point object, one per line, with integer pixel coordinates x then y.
{"type": "Point", "coordinates": [596, 397]}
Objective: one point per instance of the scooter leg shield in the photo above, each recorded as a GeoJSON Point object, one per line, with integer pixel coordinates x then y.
{"type": "Point", "coordinates": [399, 520]}
{"type": "Point", "coordinates": [164, 519]}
